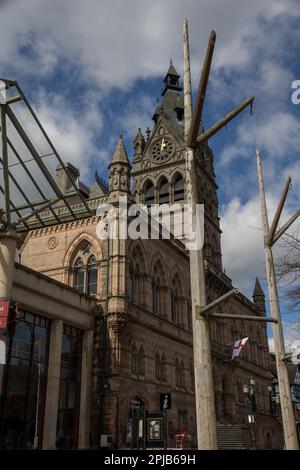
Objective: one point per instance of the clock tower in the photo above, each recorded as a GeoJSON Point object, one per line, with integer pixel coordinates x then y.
{"type": "Point", "coordinates": [158, 165]}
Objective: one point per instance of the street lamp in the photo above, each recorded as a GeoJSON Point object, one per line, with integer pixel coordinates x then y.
{"type": "Point", "coordinates": [274, 398]}
{"type": "Point", "coordinates": [249, 393]}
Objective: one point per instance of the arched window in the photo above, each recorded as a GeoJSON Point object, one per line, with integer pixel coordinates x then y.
{"type": "Point", "coordinates": [141, 361]}
{"type": "Point", "coordinates": [176, 296]}
{"type": "Point", "coordinates": [158, 282]}
{"type": "Point", "coordinates": [158, 371]}
{"type": "Point", "coordinates": [134, 360]}
{"type": "Point", "coordinates": [149, 193]}
{"type": "Point", "coordinates": [85, 270]}
{"type": "Point", "coordinates": [92, 275]}
{"type": "Point", "coordinates": [79, 277]}
{"type": "Point", "coordinates": [156, 294]}
{"type": "Point", "coordinates": [130, 283]}
{"type": "Point", "coordinates": [163, 191]}
{"type": "Point", "coordinates": [182, 375]}
{"type": "Point", "coordinates": [177, 373]}
{"type": "Point", "coordinates": [174, 302]}
{"type": "Point", "coordinates": [189, 314]}
{"type": "Point", "coordinates": [137, 360]}
{"type": "Point", "coordinates": [164, 368]}
{"type": "Point", "coordinates": [134, 284]}
{"type": "Point", "coordinates": [178, 188]}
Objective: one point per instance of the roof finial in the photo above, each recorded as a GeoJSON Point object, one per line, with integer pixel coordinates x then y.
{"type": "Point", "coordinates": [171, 63]}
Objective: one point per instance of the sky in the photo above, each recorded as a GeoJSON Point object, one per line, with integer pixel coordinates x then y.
{"type": "Point", "coordinates": [94, 69]}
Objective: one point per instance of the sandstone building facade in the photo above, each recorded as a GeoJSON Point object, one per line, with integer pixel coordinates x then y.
{"type": "Point", "coordinates": [144, 345]}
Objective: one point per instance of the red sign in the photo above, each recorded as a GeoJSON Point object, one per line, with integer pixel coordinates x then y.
{"type": "Point", "coordinates": [4, 310]}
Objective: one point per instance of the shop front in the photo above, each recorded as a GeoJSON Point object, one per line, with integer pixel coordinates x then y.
{"type": "Point", "coordinates": [46, 367]}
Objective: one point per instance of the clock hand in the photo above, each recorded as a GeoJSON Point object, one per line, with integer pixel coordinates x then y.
{"type": "Point", "coordinates": [163, 144]}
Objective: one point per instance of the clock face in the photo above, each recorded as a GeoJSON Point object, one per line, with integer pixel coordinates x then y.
{"type": "Point", "coordinates": [162, 149]}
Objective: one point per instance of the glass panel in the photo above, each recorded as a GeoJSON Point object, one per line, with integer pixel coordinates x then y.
{"type": "Point", "coordinates": [24, 387]}
{"type": "Point", "coordinates": [178, 188]}
{"type": "Point", "coordinates": [79, 280]}
{"type": "Point", "coordinates": [149, 194]}
{"type": "Point", "coordinates": [92, 281]}
{"type": "Point", "coordinates": [164, 191]}
{"type": "Point", "coordinates": [69, 388]}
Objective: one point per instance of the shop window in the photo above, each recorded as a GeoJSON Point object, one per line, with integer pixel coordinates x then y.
{"type": "Point", "coordinates": [69, 388]}
{"type": "Point", "coordinates": [24, 383]}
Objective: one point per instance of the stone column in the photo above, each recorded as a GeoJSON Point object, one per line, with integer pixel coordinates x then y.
{"type": "Point", "coordinates": [85, 391]}
{"type": "Point", "coordinates": [52, 392]}
{"type": "Point", "coordinates": [9, 242]}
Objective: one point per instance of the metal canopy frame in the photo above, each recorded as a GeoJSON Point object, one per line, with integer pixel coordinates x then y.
{"type": "Point", "coordinates": [17, 144]}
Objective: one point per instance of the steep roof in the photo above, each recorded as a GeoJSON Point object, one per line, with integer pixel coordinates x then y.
{"type": "Point", "coordinates": [120, 154]}
{"type": "Point", "coordinates": [258, 291]}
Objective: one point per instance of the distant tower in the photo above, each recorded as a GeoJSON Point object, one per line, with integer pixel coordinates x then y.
{"type": "Point", "coordinates": [259, 296]}
{"type": "Point", "coordinates": [119, 170]}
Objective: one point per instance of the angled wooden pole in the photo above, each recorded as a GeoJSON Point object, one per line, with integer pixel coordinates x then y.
{"type": "Point", "coordinates": [232, 316]}
{"type": "Point", "coordinates": [204, 389]}
{"type": "Point", "coordinates": [216, 302]}
{"type": "Point", "coordinates": [284, 228]}
{"type": "Point", "coordinates": [196, 118]}
{"type": "Point", "coordinates": [278, 212]}
{"type": "Point", "coordinates": [222, 122]}
{"type": "Point", "coordinates": [288, 418]}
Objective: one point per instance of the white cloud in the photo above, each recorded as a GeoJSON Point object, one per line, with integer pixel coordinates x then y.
{"type": "Point", "coordinates": [138, 113]}
{"type": "Point", "coordinates": [291, 337]}
{"type": "Point", "coordinates": [242, 239]}
{"type": "Point", "coordinates": [118, 41]}
{"type": "Point", "coordinates": [73, 135]}
{"type": "Point", "coordinates": [242, 243]}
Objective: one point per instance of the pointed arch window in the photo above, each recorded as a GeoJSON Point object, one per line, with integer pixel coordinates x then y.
{"type": "Point", "coordinates": [79, 274]}
{"type": "Point", "coordinates": [164, 368]}
{"type": "Point", "coordinates": [178, 188]}
{"type": "Point", "coordinates": [85, 271]}
{"type": "Point", "coordinates": [149, 194]}
{"type": "Point", "coordinates": [134, 360]}
{"type": "Point", "coordinates": [176, 297]}
{"type": "Point", "coordinates": [156, 295]}
{"type": "Point", "coordinates": [158, 368]}
{"type": "Point", "coordinates": [163, 190]}
{"type": "Point", "coordinates": [174, 303]}
{"type": "Point", "coordinates": [177, 373]}
{"type": "Point", "coordinates": [92, 275]}
{"type": "Point", "coordinates": [189, 314]}
{"type": "Point", "coordinates": [134, 283]}
{"type": "Point", "coordinates": [141, 361]}
{"type": "Point", "coordinates": [182, 375]}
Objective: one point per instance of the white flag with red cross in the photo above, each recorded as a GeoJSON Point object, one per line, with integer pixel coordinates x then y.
{"type": "Point", "coordinates": [238, 346]}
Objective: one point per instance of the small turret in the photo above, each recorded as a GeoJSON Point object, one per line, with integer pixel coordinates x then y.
{"type": "Point", "coordinates": [259, 296]}
{"type": "Point", "coordinates": [171, 80]}
{"type": "Point", "coordinates": [138, 144]}
{"type": "Point", "coordinates": [119, 169]}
